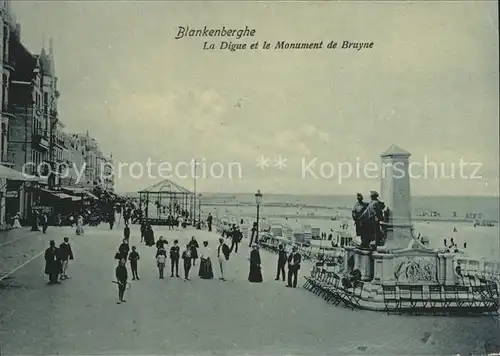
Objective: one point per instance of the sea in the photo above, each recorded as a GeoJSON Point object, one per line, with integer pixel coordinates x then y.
{"type": "Point", "coordinates": [435, 217]}
{"type": "Point", "coordinates": [466, 207]}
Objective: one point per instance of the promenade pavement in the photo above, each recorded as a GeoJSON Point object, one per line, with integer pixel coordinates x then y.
{"type": "Point", "coordinates": [172, 316]}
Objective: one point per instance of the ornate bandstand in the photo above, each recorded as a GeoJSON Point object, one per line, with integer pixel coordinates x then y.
{"type": "Point", "coordinates": [165, 199]}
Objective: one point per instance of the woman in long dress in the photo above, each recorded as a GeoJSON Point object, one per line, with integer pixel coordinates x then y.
{"type": "Point", "coordinates": [79, 225]}
{"type": "Point", "coordinates": [16, 224]}
{"type": "Point", "coordinates": [206, 271]}
{"type": "Point", "coordinates": [255, 275]}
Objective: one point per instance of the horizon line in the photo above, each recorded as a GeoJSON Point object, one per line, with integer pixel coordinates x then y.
{"type": "Point", "coordinates": [341, 194]}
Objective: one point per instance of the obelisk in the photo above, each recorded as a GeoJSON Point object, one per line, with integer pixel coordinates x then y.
{"type": "Point", "coordinates": [395, 193]}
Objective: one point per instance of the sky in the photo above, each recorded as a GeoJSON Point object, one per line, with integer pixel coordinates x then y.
{"type": "Point", "coordinates": [429, 85]}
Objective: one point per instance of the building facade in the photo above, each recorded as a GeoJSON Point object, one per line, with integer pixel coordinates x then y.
{"type": "Point", "coordinates": [9, 29]}
{"type": "Point", "coordinates": [98, 167]}
{"type": "Point", "coordinates": [33, 139]}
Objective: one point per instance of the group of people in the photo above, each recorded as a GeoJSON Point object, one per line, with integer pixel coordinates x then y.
{"type": "Point", "coordinates": [189, 256]}
{"type": "Point", "coordinates": [192, 252]}
{"type": "Point", "coordinates": [57, 261]}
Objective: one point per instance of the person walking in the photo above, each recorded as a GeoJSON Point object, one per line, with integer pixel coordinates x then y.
{"type": "Point", "coordinates": [236, 236]}
{"type": "Point", "coordinates": [293, 267]}
{"type": "Point", "coordinates": [124, 250]}
{"type": "Point", "coordinates": [209, 221]}
{"type": "Point", "coordinates": [66, 254]}
{"type": "Point", "coordinates": [161, 243]}
{"type": "Point", "coordinates": [282, 258]}
{"type": "Point", "coordinates": [121, 279]}
{"type": "Point", "coordinates": [193, 247]}
{"type": "Point", "coordinates": [174, 258]}
{"type": "Point", "coordinates": [15, 223]}
{"type": "Point", "coordinates": [255, 274]}
{"type": "Point", "coordinates": [44, 222]}
{"type": "Point", "coordinates": [186, 256]}
{"type": "Point", "coordinates": [52, 263]}
{"type": "Point", "coordinates": [35, 221]}
{"type": "Point", "coordinates": [223, 252]}
{"type": "Point", "coordinates": [205, 271]}
{"type": "Point", "coordinates": [134, 258]}
{"type": "Point", "coordinates": [126, 232]}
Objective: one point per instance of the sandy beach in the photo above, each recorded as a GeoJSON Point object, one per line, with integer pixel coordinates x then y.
{"type": "Point", "coordinates": [482, 241]}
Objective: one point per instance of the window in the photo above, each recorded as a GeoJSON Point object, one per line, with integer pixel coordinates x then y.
{"type": "Point", "coordinates": [5, 83]}
{"type": "Point", "coordinates": [6, 31]}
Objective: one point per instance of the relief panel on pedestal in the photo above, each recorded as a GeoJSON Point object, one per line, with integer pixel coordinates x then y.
{"type": "Point", "coordinates": [415, 270]}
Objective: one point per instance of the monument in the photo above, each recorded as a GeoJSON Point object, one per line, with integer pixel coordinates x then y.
{"type": "Point", "coordinates": [399, 263]}
{"type": "Point", "coordinates": [395, 193]}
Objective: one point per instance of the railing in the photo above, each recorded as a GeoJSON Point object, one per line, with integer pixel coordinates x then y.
{"type": "Point", "coordinates": [9, 158]}
{"type": "Point", "coordinates": [8, 109]}
{"type": "Point", "coordinates": [9, 63]}
{"type": "Point", "coordinates": [478, 268]}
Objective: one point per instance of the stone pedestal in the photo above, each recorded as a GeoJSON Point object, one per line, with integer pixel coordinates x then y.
{"type": "Point", "coordinates": [349, 252]}
{"type": "Point", "coordinates": [364, 262]}
{"type": "Point", "coordinates": [383, 264]}
{"type": "Point", "coordinates": [446, 271]}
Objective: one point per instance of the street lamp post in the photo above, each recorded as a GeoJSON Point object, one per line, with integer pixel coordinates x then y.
{"type": "Point", "coordinates": [258, 200]}
{"type": "Point", "coordinates": [199, 211]}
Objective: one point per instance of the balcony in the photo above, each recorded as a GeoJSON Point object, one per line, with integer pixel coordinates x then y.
{"type": "Point", "coordinates": [41, 141]}
{"type": "Point", "coordinates": [9, 158]}
{"type": "Point", "coordinates": [60, 142]}
{"type": "Point", "coordinates": [9, 64]}
{"type": "Point", "coordinates": [8, 111]}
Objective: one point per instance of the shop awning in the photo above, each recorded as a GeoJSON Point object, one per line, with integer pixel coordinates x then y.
{"type": "Point", "coordinates": [74, 190]}
{"type": "Point", "coordinates": [11, 174]}
{"type": "Point", "coordinates": [90, 195]}
{"type": "Point", "coordinates": [59, 195]}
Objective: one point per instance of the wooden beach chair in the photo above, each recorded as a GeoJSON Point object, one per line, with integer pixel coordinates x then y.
{"type": "Point", "coordinates": [333, 294]}
{"type": "Point", "coordinates": [351, 297]}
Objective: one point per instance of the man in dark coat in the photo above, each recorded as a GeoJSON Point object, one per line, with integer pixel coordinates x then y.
{"type": "Point", "coordinates": [175, 252]}
{"type": "Point", "coordinates": [126, 233]}
{"type": "Point", "coordinates": [294, 260]}
{"type": "Point", "coordinates": [209, 221]}
{"type": "Point", "coordinates": [124, 250]}
{"type": "Point", "coordinates": [121, 279]}
{"type": "Point", "coordinates": [282, 258]}
{"type": "Point", "coordinates": [44, 222]}
{"type": "Point", "coordinates": [35, 216]}
{"type": "Point", "coordinates": [52, 263]}
{"type": "Point", "coordinates": [236, 236]}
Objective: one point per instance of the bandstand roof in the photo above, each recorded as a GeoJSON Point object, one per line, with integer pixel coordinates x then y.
{"type": "Point", "coordinates": [166, 187]}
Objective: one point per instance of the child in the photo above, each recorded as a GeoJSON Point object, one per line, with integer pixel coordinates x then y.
{"type": "Point", "coordinates": [134, 257]}
{"type": "Point", "coordinates": [161, 257]}
{"type": "Point", "coordinates": [186, 256]}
